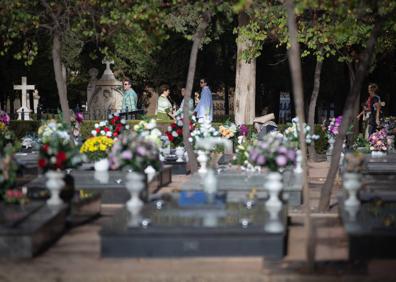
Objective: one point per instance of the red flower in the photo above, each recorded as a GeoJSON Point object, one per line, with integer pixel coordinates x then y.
{"type": "Point", "coordinates": [106, 129]}
{"type": "Point", "coordinates": [179, 131]}
{"type": "Point", "coordinates": [97, 130]}
{"type": "Point", "coordinates": [45, 148]}
{"type": "Point", "coordinates": [115, 134]}
{"type": "Point", "coordinates": [60, 158]}
{"type": "Point", "coordinates": [169, 135]}
{"type": "Point", "coordinates": [42, 163]}
{"type": "Point", "coordinates": [173, 125]}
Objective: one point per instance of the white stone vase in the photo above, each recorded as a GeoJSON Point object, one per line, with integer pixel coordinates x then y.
{"type": "Point", "coordinates": [102, 165]}
{"type": "Point", "coordinates": [378, 154]}
{"type": "Point", "coordinates": [329, 151]}
{"type": "Point", "coordinates": [203, 161]}
{"type": "Point", "coordinates": [180, 154]}
{"type": "Point", "coordinates": [135, 182]}
{"type": "Point", "coordinates": [54, 184]}
{"type": "Point", "coordinates": [352, 183]}
{"type": "Point", "coordinates": [298, 169]}
{"type": "Point", "coordinates": [274, 186]}
{"type": "Point", "coordinates": [273, 205]}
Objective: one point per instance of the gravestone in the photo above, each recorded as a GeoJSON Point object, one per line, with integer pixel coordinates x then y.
{"type": "Point", "coordinates": [169, 230]}
{"type": "Point", "coordinates": [107, 95]}
{"type": "Point", "coordinates": [27, 230]}
{"type": "Point", "coordinates": [24, 110]}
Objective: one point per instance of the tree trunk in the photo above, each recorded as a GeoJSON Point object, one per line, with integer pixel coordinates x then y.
{"type": "Point", "coordinates": [60, 78]}
{"type": "Point", "coordinates": [197, 41]}
{"type": "Point", "coordinates": [352, 77]}
{"type": "Point", "coordinates": [312, 106]}
{"type": "Point", "coordinates": [295, 70]}
{"type": "Point", "coordinates": [348, 116]}
{"type": "Point", "coordinates": [245, 81]}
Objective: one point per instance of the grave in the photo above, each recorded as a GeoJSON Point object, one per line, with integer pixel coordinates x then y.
{"type": "Point", "coordinates": [237, 184]}
{"type": "Point", "coordinates": [207, 230]}
{"type": "Point", "coordinates": [370, 228]}
{"type": "Point", "coordinates": [28, 230]}
{"type": "Point", "coordinates": [110, 185]}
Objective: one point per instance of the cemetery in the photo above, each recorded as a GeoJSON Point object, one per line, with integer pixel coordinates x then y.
{"type": "Point", "coordinates": [198, 140]}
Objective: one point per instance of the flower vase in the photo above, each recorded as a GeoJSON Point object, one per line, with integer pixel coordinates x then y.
{"type": "Point", "coordinates": [54, 184]}
{"type": "Point", "coordinates": [102, 165]}
{"type": "Point", "coordinates": [180, 154]}
{"type": "Point", "coordinates": [378, 154]}
{"type": "Point", "coordinates": [298, 169]}
{"type": "Point", "coordinates": [273, 205]}
{"type": "Point", "coordinates": [352, 183]}
{"type": "Point", "coordinates": [202, 159]}
{"type": "Point", "coordinates": [329, 151]}
{"type": "Point", "coordinates": [135, 183]}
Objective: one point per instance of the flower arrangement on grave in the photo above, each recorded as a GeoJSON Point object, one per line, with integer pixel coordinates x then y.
{"type": "Point", "coordinates": [15, 196]}
{"type": "Point", "coordinates": [243, 130]}
{"type": "Point", "coordinates": [291, 134]}
{"type": "Point", "coordinates": [134, 152]}
{"type": "Point", "coordinates": [8, 167]}
{"type": "Point", "coordinates": [97, 148]}
{"type": "Point", "coordinates": [149, 131]}
{"type": "Point", "coordinates": [57, 151]}
{"type": "Point", "coordinates": [174, 132]}
{"type": "Point", "coordinates": [334, 126]}
{"type": "Point", "coordinates": [361, 144]}
{"type": "Point", "coordinates": [76, 120]}
{"type": "Point", "coordinates": [272, 153]}
{"type": "Point", "coordinates": [111, 128]}
{"type": "Point", "coordinates": [241, 156]}
{"type": "Point", "coordinates": [228, 130]}
{"type": "Point", "coordinates": [4, 118]}
{"type": "Point", "coordinates": [378, 141]}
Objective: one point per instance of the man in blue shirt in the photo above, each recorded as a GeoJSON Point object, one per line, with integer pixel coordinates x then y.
{"type": "Point", "coordinates": [129, 100]}
{"type": "Point", "coordinates": [204, 109]}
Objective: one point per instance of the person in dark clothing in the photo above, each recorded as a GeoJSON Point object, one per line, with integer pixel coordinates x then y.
{"type": "Point", "coordinates": [372, 108]}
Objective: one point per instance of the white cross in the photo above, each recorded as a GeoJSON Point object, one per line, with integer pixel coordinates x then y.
{"type": "Point", "coordinates": [24, 87]}
{"type": "Point", "coordinates": [108, 63]}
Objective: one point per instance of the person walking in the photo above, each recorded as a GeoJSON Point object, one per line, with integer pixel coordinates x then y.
{"type": "Point", "coordinates": [129, 100]}
{"type": "Point", "coordinates": [164, 106]}
{"type": "Point", "coordinates": [204, 109]}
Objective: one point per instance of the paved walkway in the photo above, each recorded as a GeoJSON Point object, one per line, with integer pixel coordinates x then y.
{"type": "Point", "coordinates": [76, 256]}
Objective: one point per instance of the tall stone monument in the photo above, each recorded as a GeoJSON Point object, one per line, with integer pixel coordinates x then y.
{"type": "Point", "coordinates": [107, 95]}
{"type": "Point", "coordinates": [24, 111]}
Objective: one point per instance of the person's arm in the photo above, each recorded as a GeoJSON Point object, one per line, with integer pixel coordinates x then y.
{"type": "Point", "coordinates": [377, 114]}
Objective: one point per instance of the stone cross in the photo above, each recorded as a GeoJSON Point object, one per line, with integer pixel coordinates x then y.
{"type": "Point", "coordinates": [24, 87]}
{"type": "Point", "coordinates": [108, 63]}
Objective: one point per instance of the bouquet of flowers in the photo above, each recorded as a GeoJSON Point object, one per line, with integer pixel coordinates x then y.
{"type": "Point", "coordinates": [149, 131]}
{"type": "Point", "coordinates": [15, 196]}
{"type": "Point", "coordinates": [228, 130]}
{"type": "Point", "coordinates": [76, 121]}
{"type": "Point", "coordinates": [4, 118]}
{"type": "Point", "coordinates": [378, 141]}
{"type": "Point", "coordinates": [57, 151]}
{"type": "Point", "coordinates": [241, 156]}
{"type": "Point", "coordinates": [334, 125]}
{"type": "Point", "coordinates": [291, 134]}
{"type": "Point", "coordinates": [135, 152]}
{"type": "Point", "coordinates": [175, 130]}
{"type": "Point", "coordinates": [111, 128]}
{"type": "Point", "coordinates": [97, 148]}
{"type": "Point", "coordinates": [272, 153]}
{"type": "Point", "coordinates": [8, 167]}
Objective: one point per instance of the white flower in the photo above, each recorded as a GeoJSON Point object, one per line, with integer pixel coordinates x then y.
{"type": "Point", "coordinates": [123, 121]}
{"type": "Point", "coordinates": [169, 128]}
{"type": "Point", "coordinates": [102, 123]}
{"type": "Point", "coordinates": [152, 124]}
{"type": "Point", "coordinates": [174, 134]}
{"type": "Point", "coordinates": [96, 125]}
{"type": "Point", "coordinates": [93, 132]}
{"type": "Point", "coordinates": [190, 139]}
{"type": "Point", "coordinates": [108, 134]}
{"type": "Point", "coordinates": [102, 132]}
{"type": "Point", "coordinates": [179, 123]}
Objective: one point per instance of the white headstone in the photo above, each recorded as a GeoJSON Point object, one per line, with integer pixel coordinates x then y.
{"type": "Point", "coordinates": [24, 87]}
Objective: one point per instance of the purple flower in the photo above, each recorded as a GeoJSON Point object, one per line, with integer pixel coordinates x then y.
{"type": "Point", "coordinates": [281, 160]}
{"type": "Point", "coordinates": [282, 150]}
{"type": "Point", "coordinates": [243, 130]}
{"type": "Point", "coordinates": [254, 154]}
{"type": "Point", "coordinates": [291, 154]}
{"type": "Point", "coordinates": [141, 151]}
{"type": "Point", "coordinates": [4, 118]}
{"type": "Point", "coordinates": [127, 155]}
{"type": "Point", "coordinates": [260, 160]}
{"type": "Point", "coordinates": [79, 117]}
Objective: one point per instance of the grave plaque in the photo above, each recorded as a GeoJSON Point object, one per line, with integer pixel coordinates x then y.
{"type": "Point", "coordinates": [207, 230]}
